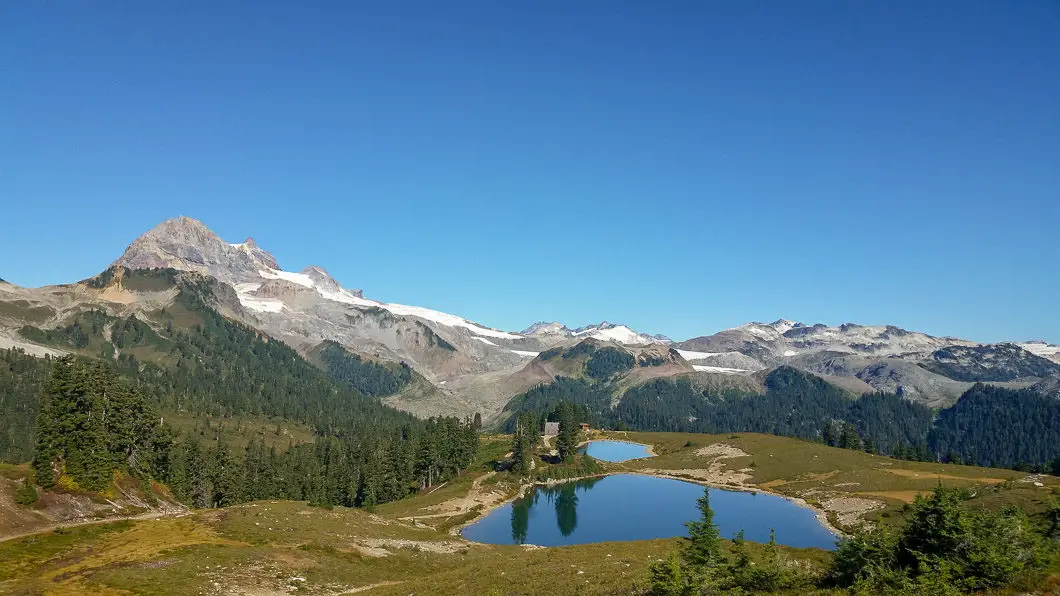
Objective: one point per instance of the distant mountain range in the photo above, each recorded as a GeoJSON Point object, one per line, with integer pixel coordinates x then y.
{"type": "Point", "coordinates": [467, 368]}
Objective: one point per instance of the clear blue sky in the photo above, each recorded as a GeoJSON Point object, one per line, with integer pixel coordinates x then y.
{"type": "Point", "coordinates": [679, 166]}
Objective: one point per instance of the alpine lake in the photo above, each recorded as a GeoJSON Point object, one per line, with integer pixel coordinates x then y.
{"type": "Point", "coordinates": [622, 507]}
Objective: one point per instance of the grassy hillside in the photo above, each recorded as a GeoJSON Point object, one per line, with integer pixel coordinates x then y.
{"type": "Point", "coordinates": [408, 546]}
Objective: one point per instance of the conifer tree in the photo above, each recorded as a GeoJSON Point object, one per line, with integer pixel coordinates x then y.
{"type": "Point", "coordinates": [567, 440]}
{"type": "Point", "coordinates": [702, 547]}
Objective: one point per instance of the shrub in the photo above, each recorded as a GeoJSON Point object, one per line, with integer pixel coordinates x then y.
{"type": "Point", "coordinates": [27, 493]}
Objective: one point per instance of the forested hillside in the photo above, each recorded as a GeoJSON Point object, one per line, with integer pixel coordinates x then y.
{"type": "Point", "coordinates": [103, 411]}
{"type": "Point", "coordinates": [370, 378]}
{"type": "Point", "coordinates": [989, 425]}
{"type": "Point", "coordinates": [992, 426]}
{"type": "Point", "coordinates": [22, 378]}
{"type": "Point", "coordinates": [194, 360]}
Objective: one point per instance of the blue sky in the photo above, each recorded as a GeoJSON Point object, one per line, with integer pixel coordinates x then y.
{"type": "Point", "coordinates": [682, 167]}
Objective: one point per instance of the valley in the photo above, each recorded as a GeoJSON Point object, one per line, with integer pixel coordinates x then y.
{"type": "Point", "coordinates": [412, 545]}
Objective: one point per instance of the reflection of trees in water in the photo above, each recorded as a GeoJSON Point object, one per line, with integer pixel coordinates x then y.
{"type": "Point", "coordinates": [520, 520]}
{"type": "Point", "coordinates": [521, 516]}
{"type": "Point", "coordinates": [567, 509]}
{"type": "Point", "coordinates": [563, 497]}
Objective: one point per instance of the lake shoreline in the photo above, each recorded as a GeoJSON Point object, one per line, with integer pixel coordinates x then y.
{"type": "Point", "coordinates": [648, 447]}
{"type": "Point", "coordinates": [820, 514]}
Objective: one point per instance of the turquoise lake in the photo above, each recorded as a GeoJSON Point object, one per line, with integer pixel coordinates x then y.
{"type": "Point", "coordinates": [615, 451]}
{"type": "Point", "coordinates": [634, 507]}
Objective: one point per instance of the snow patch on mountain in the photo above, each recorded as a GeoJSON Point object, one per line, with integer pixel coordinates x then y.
{"type": "Point", "coordinates": [720, 369]}
{"type": "Point", "coordinates": [446, 319]}
{"type": "Point", "coordinates": [525, 353]}
{"type": "Point", "coordinates": [486, 341]}
{"type": "Point", "coordinates": [345, 296]}
{"type": "Point", "coordinates": [296, 278]}
{"type": "Point", "coordinates": [691, 355]}
{"type": "Point", "coordinates": [1040, 348]}
{"type": "Point", "coordinates": [261, 304]}
{"type": "Point", "coordinates": [617, 333]}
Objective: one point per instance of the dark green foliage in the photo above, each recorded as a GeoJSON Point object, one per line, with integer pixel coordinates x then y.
{"type": "Point", "coordinates": [702, 547]}
{"type": "Point", "coordinates": [76, 335]}
{"type": "Point", "coordinates": [91, 422]}
{"type": "Point", "coordinates": [940, 542]}
{"type": "Point", "coordinates": [1052, 519]}
{"type": "Point", "coordinates": [95, 419]}
{"type": "Point", "coordinates": [150, 280]}
{"type": "Point", "coordinates": [795, 404]}
{"type": "Point", "coordinates": [605, 362]}
{"type": "Point", "coordinates": [523, 439]}
{"type": "Point", "coordinates": [591, 401]}
{"type": "Point", "coordinates": [583, 348]}
{"type": "Point", "coordinates": [22, 379]}
{"type": "Point", "coordinates": [550, 353]}
{"type": "Point", "coordinates": [369, 378]}
{"type": "Point", "coordinates": [999, 427]}
{"type": "Point", "coordinates": [219, 367]}
{"type": "Point", "coordinates": [702, 568]}
{"type": "Point", "coordinates": [354, 471]}
{"type": "Point", "coordinates": [103, 279]}
{"type": "Point", "coordinates": [569, 427]}
{"type": "Point", "coordinates": [987, 426]}
{"type": "Point", "coordinates": [26, 494]}
{"type": "Point", "coordinates": [131, 332]}
{"type": "Point", "coordinates": [668, 578]}
{"type": "Point", "coordinates": [848, 437]}
{"type": "Point", "coordinates": [888, 421]}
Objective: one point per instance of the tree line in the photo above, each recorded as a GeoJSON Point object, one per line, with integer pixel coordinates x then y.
{"type": "Point", "coordinates": [988, 425]}
{"type": "Point", "coordinates": [93, 422]}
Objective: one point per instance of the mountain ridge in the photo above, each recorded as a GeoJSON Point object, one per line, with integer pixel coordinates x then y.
{"type": "Point", "coordinates": [468, 367]}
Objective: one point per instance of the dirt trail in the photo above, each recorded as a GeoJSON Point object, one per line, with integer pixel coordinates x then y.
{"type": "Point", "coordinates": [459, 506]}
{"type": "Point", "coordinates": [89, 522]}
{"type": "Point", "coordinates": [933, 475]}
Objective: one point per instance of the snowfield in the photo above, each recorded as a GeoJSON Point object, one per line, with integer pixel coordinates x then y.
{"type": "Point", "coordinates": [620, 334]}
{"type": "Point", "coordinates": [525, 353]}
{"type": "Point", "coordinates": [347, 297]}
{"type": "Point", "coordinates": [1039, 348]}
{"type": "Point", "coordinates": [720, 369]}
{"type": "Point", "coordinates": [296, 278]}
{"type": "Point", "coordinates": [691, 355]}
{"type": "Point", "coordinates": [261, 304]}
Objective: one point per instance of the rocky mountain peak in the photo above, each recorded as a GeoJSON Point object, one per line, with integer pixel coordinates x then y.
{"type": "Point", "coordinates": [546, 328]}
{"type": "Point", "coordinates": [187, 244]}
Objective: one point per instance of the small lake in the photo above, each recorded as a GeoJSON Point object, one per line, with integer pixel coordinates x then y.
{"type": "Point", "coordinates": [615, 451]}
{"type": "Point", "coordinates": [634, 507]}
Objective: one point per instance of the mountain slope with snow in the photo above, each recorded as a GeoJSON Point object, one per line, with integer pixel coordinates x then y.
{"type": "Point", "coordinates": [472, 367]}
{"type": "Point", "coordinates": [603, 331]}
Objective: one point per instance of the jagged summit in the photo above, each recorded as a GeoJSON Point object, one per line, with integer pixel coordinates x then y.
{"type": "Point", "coordinates": [546, 328]}
{"type": "Point", "coordinates": [187, 244]}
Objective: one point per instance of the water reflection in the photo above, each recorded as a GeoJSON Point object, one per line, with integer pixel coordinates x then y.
{"type": "Point", "coordinates": [634, 507]}
{"type": "Point", "coordinates": [563, 497]}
